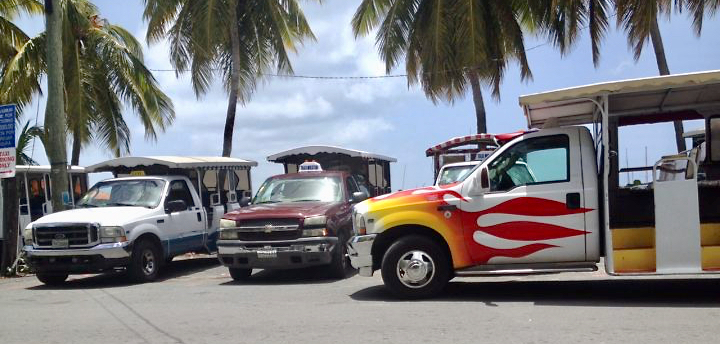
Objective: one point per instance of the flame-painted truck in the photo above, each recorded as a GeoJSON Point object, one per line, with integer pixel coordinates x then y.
{"type": "Point", "coordinates": [550, 200]}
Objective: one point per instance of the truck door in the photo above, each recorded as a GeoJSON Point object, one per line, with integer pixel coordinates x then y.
{"type": "Point", "coordinates": [532, 212]}
{"type": "Point", "coordinates": [186, 227]}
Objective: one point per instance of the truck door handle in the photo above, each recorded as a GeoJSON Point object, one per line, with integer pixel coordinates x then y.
{"type": "Point", "coordinates": [572, 200]}
{"type": "Point", "coordinates": [447, 207]}
{"type": "Point", "coordinates": [199, 217]}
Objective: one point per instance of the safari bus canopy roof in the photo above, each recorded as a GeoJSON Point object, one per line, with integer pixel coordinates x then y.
{"type": "Point", "coordinates": [172, 162]}
{"type": "Point", "coordinates": [46, 169]}
{"type": "Point", "coordinates": [635, 101]}
{"type": "Point", "coordinates": [313, 150]}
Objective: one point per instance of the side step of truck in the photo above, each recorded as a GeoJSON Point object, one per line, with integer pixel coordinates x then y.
{"type": "Point", "coordinates": [532, 268]}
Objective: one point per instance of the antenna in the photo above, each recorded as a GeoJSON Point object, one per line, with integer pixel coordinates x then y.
{"type": "Point", "coordinates": [629, 176]}
{"type": "Point", "coordinates": [647, 178]}
{"type": "Point", "coordinates": [403, 179]}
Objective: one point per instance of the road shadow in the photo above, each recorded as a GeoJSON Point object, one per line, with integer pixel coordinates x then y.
{"type": "Point", "coordinates": [588, 293]}
{"type": "Point", "coordinates": [174, 269]}
{"type": "Point", "coordinates": [311, 275]}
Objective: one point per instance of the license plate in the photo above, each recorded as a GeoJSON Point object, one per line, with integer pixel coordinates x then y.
{"type": "Point", "coordinates": [267, 253]}
{"type": "Point", "coordinates": [60, 242]}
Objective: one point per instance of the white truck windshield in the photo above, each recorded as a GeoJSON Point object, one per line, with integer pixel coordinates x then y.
{"type": "Point", "coordinates": [318, 189]}
{"type": "Point", "coordinates": [452, 174]}
{"type": "Point", "coordinates": [124, 193]}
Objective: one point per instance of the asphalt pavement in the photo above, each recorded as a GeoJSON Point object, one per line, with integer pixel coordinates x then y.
{"type": "Point", "coordinates": [196, 301]}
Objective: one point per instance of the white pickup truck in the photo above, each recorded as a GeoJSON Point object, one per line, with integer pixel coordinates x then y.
{"type": "Point", "coordinates": [156, 208]}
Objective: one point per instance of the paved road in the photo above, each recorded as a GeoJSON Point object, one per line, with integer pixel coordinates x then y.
{"type": "Point", "coordinates": [197, 302]}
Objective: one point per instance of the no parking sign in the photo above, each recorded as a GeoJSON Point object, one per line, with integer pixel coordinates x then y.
{"type": "Point", "coordinates": [7, 141]}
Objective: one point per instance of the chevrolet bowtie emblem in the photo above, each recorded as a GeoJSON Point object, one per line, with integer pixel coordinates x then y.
{"type": "Point", "coordinates": [268, 228]}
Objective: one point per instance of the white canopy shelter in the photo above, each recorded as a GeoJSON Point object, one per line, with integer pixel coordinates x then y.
{"type": "Point", "coordinates": [682, 96]}
{"type": "Point", "coordinates": [181, 162]}
{"type": "Point", "coordinates": [312, 150]}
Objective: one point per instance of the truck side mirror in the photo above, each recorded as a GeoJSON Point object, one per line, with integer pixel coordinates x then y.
{"type": "Point", "coordinates": [245, 201]}
{"type": "Point", "coordinates": [358, 197]}
{"type": "Point", "coordinates": [175, 206]}
{"type": "Point", "coordinates": [484, 179]}
{"type": "Point", "coordinates": [480, 184]}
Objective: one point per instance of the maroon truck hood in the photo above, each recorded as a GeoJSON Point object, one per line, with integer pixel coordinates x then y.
{"type": "Point", "coordinates": [282, 210]}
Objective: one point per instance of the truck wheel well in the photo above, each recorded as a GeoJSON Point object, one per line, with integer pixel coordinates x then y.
{"type": "Point", "coordinates": [153, 239]}
{"type": "Point", "coordinates": [388, 237]}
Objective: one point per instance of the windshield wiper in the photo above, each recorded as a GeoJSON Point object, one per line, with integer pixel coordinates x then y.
{"type": "Point", "coordinates": [87, 205]}
{"type": "Point", "coordinates": [263, 202]}
{"type": "Point", "coordinates": [118, 204]}
{"type": "Point", "coordinates": [308, 200]}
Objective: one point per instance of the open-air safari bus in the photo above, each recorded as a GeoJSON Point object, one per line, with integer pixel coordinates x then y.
{"type": "Point", "coordinates": [673, 224]}
{"type": "Point", "coordinates": [370, 169]}
{"type": "Point", "coordinates": [34, 193]}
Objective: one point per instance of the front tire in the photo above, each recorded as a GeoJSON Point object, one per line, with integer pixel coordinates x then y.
{"type": "Point", "coordinates": [52, 279]}
{"type": "Point", "coordinates": [239, 274]}
{"type": "Point", "coordinates": [145, 262]}
{"type": "Point", "coordinates": [339, 266]}
{"type": "Point", "coordinates": [415, 267]}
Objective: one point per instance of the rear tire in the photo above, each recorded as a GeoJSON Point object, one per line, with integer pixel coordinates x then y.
{"type": "Point", "coordinates": [239, 274]}
{"type": "Point", "coordinates": [52, 279]}
{"type": "Point", "coordinates": [145, 262]}
{"type": "Point", "coordinates": [339, 267]}
{"type": "Point", "coordinates": [415, 267]}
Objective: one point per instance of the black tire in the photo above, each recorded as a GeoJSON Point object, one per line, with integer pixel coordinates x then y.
{"type": "Point", "coordinates": [145, 262]}
{"type": "Point", "coordinates": [239, 274]}
{"type": "Point", "coordinates": [426, 272]}
{"type": "Point", "coordinates": [51, 279]}
{"type": "Point", "coordinates": [340, 266]}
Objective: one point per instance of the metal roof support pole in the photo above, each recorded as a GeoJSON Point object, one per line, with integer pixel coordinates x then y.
{"type": "Point", "coordinates": [603, 106]}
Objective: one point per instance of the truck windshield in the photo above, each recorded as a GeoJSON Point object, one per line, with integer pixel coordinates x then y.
{"type": "Point", "coordinates": [316, 189]}
{"type": "Point", "coordinates": [452, 174]}
{"type": "Point", "coordinates": [124, 193]}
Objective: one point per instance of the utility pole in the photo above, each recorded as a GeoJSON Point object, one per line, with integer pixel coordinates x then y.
{"type": "Point", "coordinates": [55, 127]}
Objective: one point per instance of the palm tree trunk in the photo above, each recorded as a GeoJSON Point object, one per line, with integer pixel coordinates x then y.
{"type": "Point", "coordinates": [480, 115]}
{"type": "Point", "coordinates": [664, 70]}
{"type": "Point", "coordinates": [76, 147]}
{"type": "Point", "coordinates": [234, 82]}
{"type": "Point", "coordinates": [55, 109]}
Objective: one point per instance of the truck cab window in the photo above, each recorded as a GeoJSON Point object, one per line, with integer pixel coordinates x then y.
{"type": "Point", "coordinates": [351, 186]}
{"type": "Point", "coordinates": [715, 138]}
{"type": "Point", "coordinates": [180, 191]}
{"type": "Point", "coordinates": [533, 161]}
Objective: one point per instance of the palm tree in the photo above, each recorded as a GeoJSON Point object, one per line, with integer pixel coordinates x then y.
{"type": "Point", "coordinates": [447, 46]}
{"type": "Point", "coordinates": [237, 40]}
{"type": "Point", "coordinates": [103, 68]}
{"type": "Point", "coordinates": [562, 21]}
{"type": "Point", "coordinates": [27, 134]}
{"type": "Point", "coordinates": [11, 36]}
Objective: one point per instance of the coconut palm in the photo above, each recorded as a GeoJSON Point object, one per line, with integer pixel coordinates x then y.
{"type": "Point", "coordinates": [24, 142]}
{"type": "Point", "coordinates": [562, 21]}
{"type": "Point", "coordinates": [103, 68]}
{"type": "Point", "coordinates": [446, 46]}
{"type": "Point", "coordinates": [236, 40]}
{"type": "Point", "coordinates": [11, 36]}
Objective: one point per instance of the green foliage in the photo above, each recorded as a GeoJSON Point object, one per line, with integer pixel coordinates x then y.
{"type": "Point", "coordinates": [443, 42]}
{"type": "Point", "coordinates": [103, 69]}
{"type": "Point", "coordinates": [27, 134]}
{"type": "Point", "coordinates": [200, 38]}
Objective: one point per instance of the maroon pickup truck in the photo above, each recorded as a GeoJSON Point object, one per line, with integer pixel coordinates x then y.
{"type": "Point", "coordinates": [295, 220]}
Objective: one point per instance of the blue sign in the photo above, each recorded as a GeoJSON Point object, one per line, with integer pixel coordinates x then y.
{"type": "Point", "coordinates": [7, 126]}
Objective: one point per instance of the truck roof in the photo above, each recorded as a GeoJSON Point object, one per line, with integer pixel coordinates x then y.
{"type": "Point", "coordinates": [316, 149]}
{"type": "Point", "coordinates": [312, 174]}
{"type": "Point", "coordinates": [46, 169]}
{"type": "Point", "coordinates": [635, 101]}
{"type": "Point", "coordinates": [178, 162]}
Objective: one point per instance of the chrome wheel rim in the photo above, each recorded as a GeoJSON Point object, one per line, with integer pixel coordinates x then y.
{"type": "Point", "coordinates": [148, 262]}
{"type": "Point", "coordinates": [415, 269]}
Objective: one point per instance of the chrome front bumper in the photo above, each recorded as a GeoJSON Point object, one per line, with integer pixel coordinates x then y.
{"type": "Point", "coordinates": [359, 250]}
{"type": "Point", "coordinates": [107, 251]}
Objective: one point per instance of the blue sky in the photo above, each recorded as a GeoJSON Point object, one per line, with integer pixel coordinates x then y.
{"type": "Point", "coordinates": [382, 115]}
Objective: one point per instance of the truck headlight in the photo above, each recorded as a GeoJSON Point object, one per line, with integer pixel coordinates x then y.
{"type": "Point", "coordinates": [111, 234]}
{"type": "Point", "coordinates": [314, 221]}
{"type": "Point", "coordinates": [225, 223]}
{"type": "Point", "coordinates": [228, 234]}
{"type": "Point", "coordinates": [359, 225]}
{"type": "Point", "coordinates": [28, 236]}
